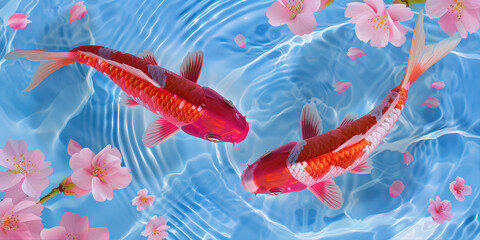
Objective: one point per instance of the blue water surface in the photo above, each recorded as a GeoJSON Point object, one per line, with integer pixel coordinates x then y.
{"type": "Point", "coordinates": [197, 183]}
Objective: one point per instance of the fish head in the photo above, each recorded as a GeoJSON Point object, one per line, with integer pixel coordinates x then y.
{"type": "Point", "coordinates": [270, 175]}
{"type": "Point", "coordinates": [221, 121]}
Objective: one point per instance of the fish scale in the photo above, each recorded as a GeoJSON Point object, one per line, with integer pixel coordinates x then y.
{"type": "Point", "coordinates": [166, 103]}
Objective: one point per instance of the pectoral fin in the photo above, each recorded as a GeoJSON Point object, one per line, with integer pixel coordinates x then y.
{"type": "Point", "coordinates": [329, 193]}
{"type": "Point", "coordinates": [192, 66]}
{"type": "Point", "coordinates": [311, 122]}
{"type": "Point", "coordinates": [159, 131]}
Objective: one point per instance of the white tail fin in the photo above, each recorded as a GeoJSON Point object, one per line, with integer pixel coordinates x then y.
{"type": "Point", "coordinates": [50, 62]}
{"type": "Point", "coordinates": [423, 57]}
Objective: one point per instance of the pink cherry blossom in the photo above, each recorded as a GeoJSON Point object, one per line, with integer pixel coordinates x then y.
{"type": "Point", "coordinates": [460, 189]}
{"type": "Point", "coordinates": [438, 84]}
{"type": "Point", "coordinates": [28, 170]}
{"type": "Point", "coordinates": [297, 14]}
{"type": "Point", "coordinates": [21, 220]}
{"type": "Point", "coordinates": [396, 188]}
{"type": "Point", "coordinates": [407, 158]}
{"type": "Point", "coordinates": [142, 201]}
{"type": "Point", "coordinates": [155, 228]}
{"type": "Point", "coordinates": [70, 189]}
{"type": "Point", "coordinates": [431, 102]}
{"type": "Point", "coordinates": [461, 15]}
{"type": "Point", "coordinates": [378, 24]}
{"type": "Point", "coordinates": [355, 52]}
{"type": "Point", "coordinates": [99, 173]}
{"type": "Point", "coordinates": [341, 86]}
{"type": "Point", "coordinates": [77, 11]}
{"type": "Point", "coordinates": [18, 21]}
{"type": "Point", "coordinates": [74, 227]}
{"type": "Point", "coordinates": [73, 147]}
{"type": "Point", "coordinates": [440, 210]}
{"type": "Point", "coordinates": [240, 40]}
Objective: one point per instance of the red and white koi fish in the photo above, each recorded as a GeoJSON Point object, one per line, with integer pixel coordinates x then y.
{"type": "Point", "coordinates": [313, 162]}
{"type": "Point", "coordinates": [181, 103]}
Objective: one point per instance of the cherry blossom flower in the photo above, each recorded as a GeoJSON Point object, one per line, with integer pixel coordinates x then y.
{"type": "Point", "coordinates": [396, 188]}
{"type": "Point", "coordinates": [461, 15]}
{"type": "Point", "coordinates": [21, 220]}
{"type": "Point", "coordinates": [378, 24]}
{"type": "Point", "coordinates": [18, 21]}
{"type": "Point", "coordinates": [440, 210]}
{"type": "Point", "coordinates": [155, 228]}
{"type": "Point", "coordinates": [355, 52]}
{"type": "Point", "coordinates": [99, 173]}
{"type": "Point", "coordinates": [341, 86]}
{"type": "Point", "coordinates": [77, 11]}
{"type": "Point", "coordinates": [28, 170]}
{"type": "Point", "coordinates": [460, 189]}
{"type": "Point", "coordinates": [74, 227]}
{"type": "Point", "coordinates": [142, 201]}
{"type": "Point", "coordinates": [297, 14]}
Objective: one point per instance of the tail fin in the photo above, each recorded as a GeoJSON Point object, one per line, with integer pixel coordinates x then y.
{"type": "Point", "coordinates": [423, 57]}
{"type": "Point", "coordinates": [50, 62]}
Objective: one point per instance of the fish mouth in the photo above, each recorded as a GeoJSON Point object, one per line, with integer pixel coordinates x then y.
{"type": "Point", "coordinates": [248, 180]}
{"type": "Point", "coordinates": [243, 136]}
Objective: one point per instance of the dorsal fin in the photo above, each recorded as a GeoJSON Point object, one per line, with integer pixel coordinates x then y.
{"type": "Point", "coordinates": [349, 118]}
{"type": "Point", "coordinates": [192, 66]}
{"type": "Point", "coordinates": [148, 56]}
{"type": "Point", "coordinates": [311, 122]}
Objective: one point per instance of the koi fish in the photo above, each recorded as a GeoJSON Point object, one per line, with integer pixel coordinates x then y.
{"type": "Point", "coordinates": [180, 102]}
{"type": "Point", "coordinates": [313, 162]}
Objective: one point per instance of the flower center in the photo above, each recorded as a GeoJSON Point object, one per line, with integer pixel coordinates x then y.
{"type": "Point", "coordinates": [9, 223]}
{"type": "Point", "coordinates": [22, 166]}
{"type": "Point", "coordinates": [144, 199]}
{"type": "Point", "coordinates": [295, 6]}
{"type": "Point", "coordinates": [458, 188]}
{"type": "Point", "coordinates": [456, 9]}
{"type": "Point", "coordinates": [379, 22]}
{"type": "Point", "coordinates": [69, 236]}
{"type": "Point", "coordinates": [100, 171]}
{"type": "Point", "coordinates": [155, 232]}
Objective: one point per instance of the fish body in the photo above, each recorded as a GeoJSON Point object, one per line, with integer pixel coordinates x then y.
{"type": "Point", "coordinates": [313, 162]}
{"type": "Point", "coordinates": [181, 103]}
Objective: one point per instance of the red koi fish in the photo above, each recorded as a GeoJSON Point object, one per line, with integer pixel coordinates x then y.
{"type": "Point", "coordinates": [181, 103]}
{"type": "Point", "coordinates": [313, 162]}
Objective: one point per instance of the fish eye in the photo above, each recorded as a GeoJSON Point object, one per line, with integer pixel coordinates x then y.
{"type": "Point", "coordinates": [229, 102]}
{"type": "Point", "coordinates": [275, 193]}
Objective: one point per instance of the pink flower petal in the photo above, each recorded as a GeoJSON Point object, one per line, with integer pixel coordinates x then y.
{"type": "Point", "coordinates": [240, 40]}
{"type": "Point", "coordinates": [18, 21]}
{"type": "Point", "coordinates": [77, 11]}
{"type": "Point", "coordinates": [460, 189]}
{"type": "Point", "coordinates": [407, 158]}
{"type": "Point", "coordinates": [73, 147]}
{"type": "Point", "coordinates": [431, 102]}
{"type": "Point", "coordinates": [341, 86]}
{"type": "Point", "coordinates": [355, 52]}
{"type": "Point", "coordinates": [9, 179]}
{"type": "Point", "coordinates": [396, 188]}
{"type": "Point", "coordinates": [303, 23]}
{"type": "Point", "coordinates": [278, 14]}
{"type": "Point", "coordinates": [82, 160]}
{"type": "Point", "coordinates": [101, 191]}
{"type": "Point", "coordinates": [100, 233]}
{"type": "Point", "coordinates": [400, 12]}
{"type": "Point", "coordinates": [55, 233]}
{"type": "Point", "coordinates": [75, 225]}
{"type": "Point", "coordinates": [438, 84]}
{"type": "Point", "coordinates": [436, 8]}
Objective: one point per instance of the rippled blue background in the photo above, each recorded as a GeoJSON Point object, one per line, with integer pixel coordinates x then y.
{"type": "Point", "coordinates": [197, 183]}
